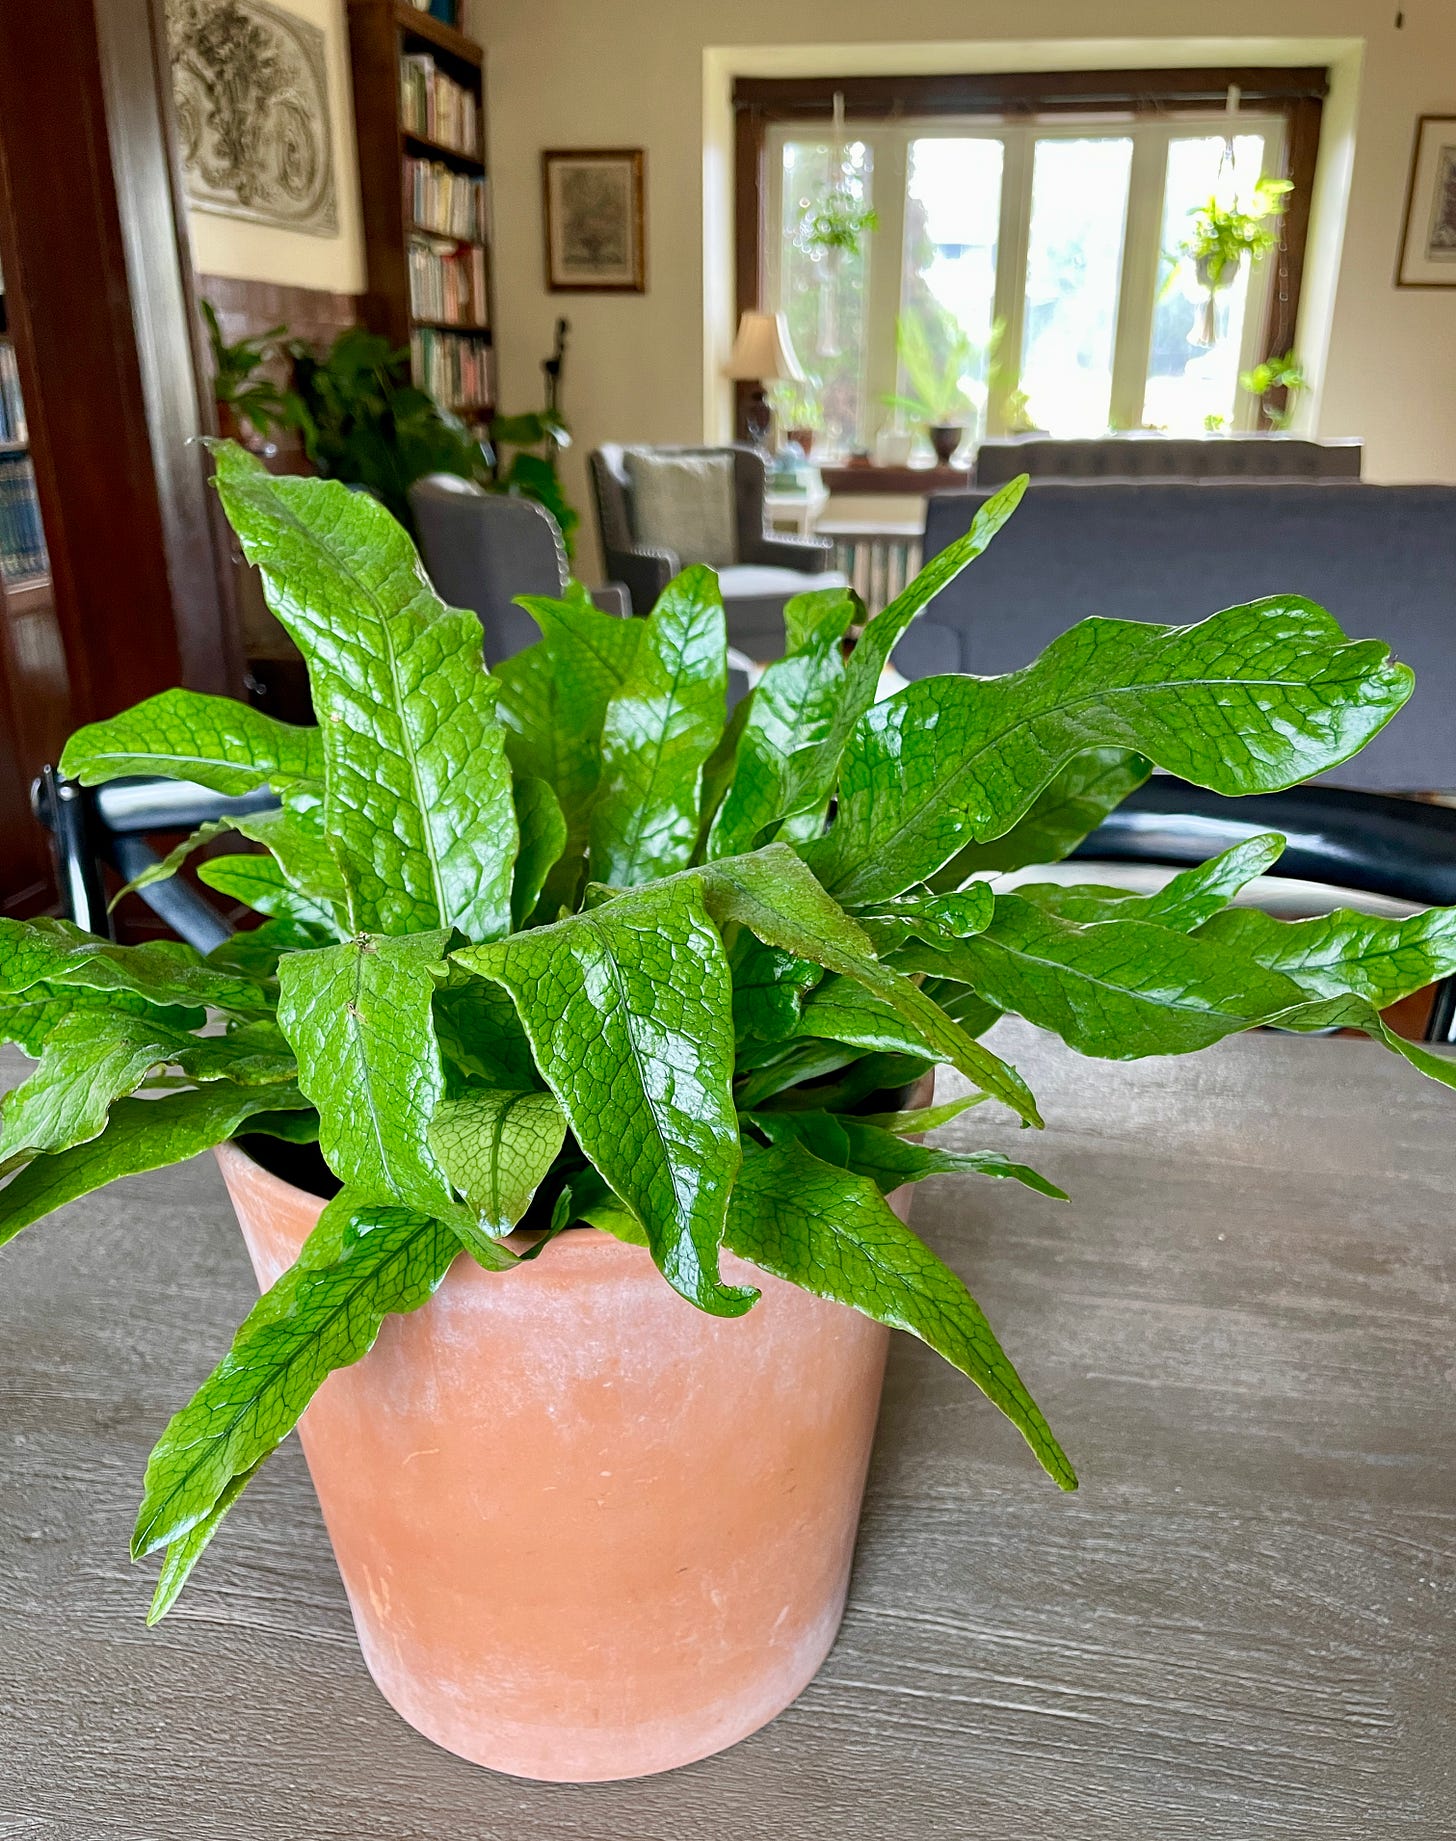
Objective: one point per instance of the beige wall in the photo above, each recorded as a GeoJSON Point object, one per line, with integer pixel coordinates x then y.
{"type": "Point", "coordinates": [257, 252]}
{"type": "Point", "coordinates": [655, 73]}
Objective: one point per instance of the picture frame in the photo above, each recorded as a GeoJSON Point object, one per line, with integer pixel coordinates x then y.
{"type": "Point", "coordinates": [1427, 256]}
{"type": "Point", "coordinates": [594, 208]}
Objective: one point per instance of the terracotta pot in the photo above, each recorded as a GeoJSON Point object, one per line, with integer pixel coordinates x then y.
{"type": "Point", "coordinates": [945, 438]}
{"type": "Point", "coordinates": [587, 1532]}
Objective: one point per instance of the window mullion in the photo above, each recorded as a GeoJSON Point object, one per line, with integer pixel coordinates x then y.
{"type": "Point", "coordinates": [886, 268]}
{"type": "Point", "coordinates": [1137, 291]}
{"type": "Point", "coordinates": [1012, 237]}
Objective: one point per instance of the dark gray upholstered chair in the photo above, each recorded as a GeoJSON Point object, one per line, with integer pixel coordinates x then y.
{"type": "Point", "coordinates": [1382, 559]}
{"type": "Point", "coordinates": [761, 571]}
{"type": "Point", "coordinates": [482, 549]}
{"type": "Point", "coordinates": [1144, 456]}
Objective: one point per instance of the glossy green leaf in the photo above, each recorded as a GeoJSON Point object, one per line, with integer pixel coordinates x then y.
{"type": "Point", "coordinates": [166, 867]}
{"type": "Point", "coordinates": [794, 706]}
{"type": "Point", "coordinates": [833, 1234]}
{"type": "Point", "coordinates": [254, 952]}
{"type": "Point", "coordinates": [819, 616]}
{"type": "Point", "coordinates": [28, 1017]}
{"type": "Point", "coordinates": [1183, 903]}
{"type": "Point", "coordinates": [887, 1158]}
{"type": "Point", "coordinates": [1117, 989]}
{"type": "Point", "coordinates": [812, 775]}
{"type": "Point", "coordinates": [183, 1554]}
{"type": "Point", "coordinates": [776, 897]}
{"type": "Point", "coordinates": [358, 1017]}
{"type": "Point", "coordinates": [418, 797]}
{"type": "Point", "coordinates": [298, 843]}
{"type": "Point", "coordinates": [842, 1010]}
{"type": "Point", "coordinates": [496, 1148]}
{"type": "Point", "coordinates": [141, 1134]}
{"type": "Point", "coordinates": [323, 1314]}
{"type": "Point", "coordinates": [659, 730]}
{"type": "Point", "coordinates": [928, 917]}
{"type": "Point", "coordinates": [1067, 810]}
{"type": "Point", "coordinates": [629, 1012]}
{"type": "Point", "coordinates": [259, 882]}
{"type": "Point", "coordinates": [542, 826]}
{"type": "Point", "coordinates": [162, 972]}
{"type": "Point", "coordinates": [1251, 700]}
{"type": "Point", "coordinates": [1344, 952]}
{"type": "Point", "coordinates": [215, 742]}
{"type": "Point", "coordinates": [479, 1033]}
{"type": "Point", "coordinates": [922, 1118]}
{"type": "Point", "coordinates": [768, 989]}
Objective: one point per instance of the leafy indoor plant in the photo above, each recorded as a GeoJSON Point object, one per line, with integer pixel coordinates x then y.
{"type": "Point", "coordinates": [245, 400]}
{"type": "Point", "coordinates": [1284, 373]}
{"type": "Point", "coordinates": [557, 950]}
{"type": "Point", "coordinates": [1224, 232]}
{"type": "Point", "coordinates": [943, 374]}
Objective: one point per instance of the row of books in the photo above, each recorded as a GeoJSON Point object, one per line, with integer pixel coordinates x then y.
{"type": "Point", "coordinates": [447, 282]}
{"type": "Point", "coordinates": [12, 409]}
{"type": "Point", "coordinates": [450, 204]}
{"type": "Point", "coordinates": [433, 104]}
{"type": "Point", "coordinates": [22, 541]}
{"type": "Point", "coordinates": [458, 371]}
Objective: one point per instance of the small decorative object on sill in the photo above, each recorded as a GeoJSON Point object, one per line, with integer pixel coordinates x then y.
{"type": "Point", "coordinates": [763, 354]}
{"type": "Point", "coordinates": [947, 375]}
{"type": "Point", "coordinates": [797, 412]}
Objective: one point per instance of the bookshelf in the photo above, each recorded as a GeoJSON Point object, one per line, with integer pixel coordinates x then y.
{"type": "Point", "coordinates": [419, 105]}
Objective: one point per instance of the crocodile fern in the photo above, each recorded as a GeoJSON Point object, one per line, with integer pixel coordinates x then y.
{"type": "Point", "coordinates": [560, 945]}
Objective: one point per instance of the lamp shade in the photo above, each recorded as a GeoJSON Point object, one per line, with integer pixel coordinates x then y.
{"type": "Point", "coordinates": [763, 352]}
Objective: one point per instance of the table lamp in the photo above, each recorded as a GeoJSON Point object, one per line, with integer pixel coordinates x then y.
{"type": "Point", "coordinates": [763, 353]}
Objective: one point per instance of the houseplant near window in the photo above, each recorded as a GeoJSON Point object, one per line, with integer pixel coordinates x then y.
{"type": "Point", "coordinates": [1224, 232]}
{"type": "Point", "coordinates": [1285, 373]}
{"type": "Point", "coordinates": [943, 367]}
{"type": "Point", "coordinates": [569, 980]}
{"type": "Point", "coordinates": [247, 404]}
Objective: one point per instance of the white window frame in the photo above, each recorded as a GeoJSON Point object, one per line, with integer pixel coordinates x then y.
{"type": "Point", "coordinates": [889, 143]}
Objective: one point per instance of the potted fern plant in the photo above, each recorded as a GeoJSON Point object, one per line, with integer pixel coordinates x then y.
{"type": "Point", "coordinates": [560, 1090]}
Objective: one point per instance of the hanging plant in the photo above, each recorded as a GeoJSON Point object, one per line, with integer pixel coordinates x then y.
{"type": "Point", "coordinates": [1224, 233]}
{"type": "Point", "coordinates": [836, 220]}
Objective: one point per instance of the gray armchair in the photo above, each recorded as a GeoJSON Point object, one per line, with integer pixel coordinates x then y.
{"type": "Point", "coordinates": [482, 549]}
{"type": "Point", "coordinates": [659, 509]}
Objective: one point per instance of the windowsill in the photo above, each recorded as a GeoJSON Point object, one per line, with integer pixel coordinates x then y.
{"type": "Point", "coordinates": [867, 477]}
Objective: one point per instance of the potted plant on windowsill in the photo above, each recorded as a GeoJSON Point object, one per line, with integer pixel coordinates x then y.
{"type": "Point", "coordinates": [943, 389]}
{"type": "Point", "coordinates": [562, 980]}
{"type": "Point", "coordinates": [1284, 373]}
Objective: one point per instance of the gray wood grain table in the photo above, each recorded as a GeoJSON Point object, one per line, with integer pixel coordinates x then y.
{"type": "Point", "coordinates": [1242, 1626]}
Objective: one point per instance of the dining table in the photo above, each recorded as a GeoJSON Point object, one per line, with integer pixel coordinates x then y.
{"type": "Point", "coordinates": [1241, 1625]}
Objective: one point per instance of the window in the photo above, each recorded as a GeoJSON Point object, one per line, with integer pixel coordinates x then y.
{"type": "Point", "coordinates": [1032, 258]}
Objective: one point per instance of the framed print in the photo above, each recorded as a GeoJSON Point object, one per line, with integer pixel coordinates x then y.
{"type": "Point", "coordinates": [594, 220]}
{"type": "Point", "coordinates": [1428, 235]}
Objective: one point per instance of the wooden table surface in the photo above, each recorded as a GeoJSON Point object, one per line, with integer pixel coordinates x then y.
{"type": "Point", "coordinates": [1242, 1626]}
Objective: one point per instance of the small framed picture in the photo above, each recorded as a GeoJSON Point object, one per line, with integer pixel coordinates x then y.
{"type": "Point", "coordinates": [594, 220]}
{"type": "Point", "coordinates": [1428, 236]}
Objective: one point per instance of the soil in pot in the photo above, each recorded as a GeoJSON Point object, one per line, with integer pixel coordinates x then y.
{"type": "Point", "coordinates": [587, 1532]}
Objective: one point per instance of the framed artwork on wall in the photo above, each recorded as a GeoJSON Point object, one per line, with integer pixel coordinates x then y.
{"type": "Point", "coordinates": [1428, 235]}
{"type": "Point", "coordinates": [595, 241]}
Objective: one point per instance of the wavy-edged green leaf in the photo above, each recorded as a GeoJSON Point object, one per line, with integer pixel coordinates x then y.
{"type": "Point", "coordinates": [1115, 989]}
{"type": "Point", "coordinates": [542, 826]}
{"type": "Point", "coordinates": [254, 952]}
{"type": "Point", "coordinates": [496, 1148]}
{"type": "Point", "coordinates": [1183, 903]}
{"type": "Point", "coordinates": [296, 839]}
{"type": "Point", "coordinates": [794, 705]}
{"type": "Point", "coordinates": [817, 616]}
{"type": "Point", "coordinates": [166, 867]}
{"type": "Point", "coordinates": [832, 1233]}
{"type": "Point", "coordinates": [141, 1134]}
{"type": "Point", "coordinates": [554, 698]}
{"type": "Point", "coordinates": [259, 882]}
{"type": "Point", "coordinates": [27, 1018]}
{"type": "Point", "coordinates": [479, 1033]}
{"type": "Point", "coordinates": [811, 776]}
{"type": "Point", "coordinates": [887, 1158]}
{"type": "Point", "coordinates": [769, 987]}
{"type": "Point", "coordinates": [1068, 809]}
{"type": "Point", "coordinates": [418, 792]}
{"type": "Point", "coordinates": [324, 1313]}
{"type": "Point", "coordinates": [772, 894]}
{"type": "Point", "coordinates": [659, 731]}
{"type": "Point", "coordinates": [95, 1057]}
{"type": "Point", "coordinates": [922, 1118]}
{"type": "Point", "coordinates": [1344, 952]}
{"type": "Point", "coordinates": [928, 917]}
{"type": "Point", "coordinates": [183, 1554]}
{"type": "Point", "coordinates": [161, 972]}
{"type": "Point", "coordinates": [215, 742]}
{"type": "Point", "coordinates": [358, 1017]}
{"type": "Point", "coordinates": [842, 1010]}
{"type": "Point", "coordinates": [629, 1012]}
{"type": "Point", "coordinates": [1352, 1012]}
{"type": "Point", "coordinates": [1250, 700]}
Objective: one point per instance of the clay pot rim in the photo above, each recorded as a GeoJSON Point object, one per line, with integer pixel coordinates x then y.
{"type": "Point", "coordinates": [576, 1243]}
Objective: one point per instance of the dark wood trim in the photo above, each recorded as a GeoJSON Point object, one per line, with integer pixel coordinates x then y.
{"type": "Point", "coordinates": [1301, 151]}
{"type": "Point", "coordinates": [750, 134]}
{"type": "Point", "coordinates": [436, 34]}
{"type": "Point", "coordinates": [246, 309]}
{"type": "Point", "coordinates": [903, 480]}
{"type": "Point", "coordinates": [1024, 92]}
